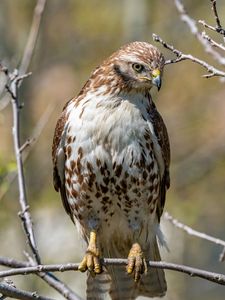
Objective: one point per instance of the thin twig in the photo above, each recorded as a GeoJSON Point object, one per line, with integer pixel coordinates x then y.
{"type": "Point", "coordinates": [32, 38]}
{"type": "Point", "coordinates": [12, 292]}
{"type": "Point", "coordinates": [194, 30]}
{"type": "Point", "coordinates": [219, 28]}
{"type": "Point", "coordinates": [212, 42]}
{"type": "Point", "coordinates": [211, 276]}
{"type": "Point", "coordinates": [26, 144]}
{"type": "Point", "coordinates": [222, 255]}
{"type": "Point", "coordinates": [207, 25]}
{"type": "Point", "coordinates": [192, 231]}
{"type": "Point", "coordinates": [181, 56]}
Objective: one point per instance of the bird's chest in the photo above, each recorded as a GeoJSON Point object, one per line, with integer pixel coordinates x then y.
{"type": "Point", "coordinates": [111, 169]}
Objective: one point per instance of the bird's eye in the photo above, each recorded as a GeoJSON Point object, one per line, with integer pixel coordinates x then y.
{"type": "Point", "coordinates": [137, 67]}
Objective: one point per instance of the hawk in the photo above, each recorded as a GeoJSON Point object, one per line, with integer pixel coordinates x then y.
{"type": "Point", "coordinates": [111, 158]}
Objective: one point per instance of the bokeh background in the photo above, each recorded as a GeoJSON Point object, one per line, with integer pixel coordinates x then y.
{"type": "Point", "coordinates": [74, 37]}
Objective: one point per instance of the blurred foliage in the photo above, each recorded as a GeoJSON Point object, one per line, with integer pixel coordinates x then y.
{"type": "Point", "coordinates": [76, 36]}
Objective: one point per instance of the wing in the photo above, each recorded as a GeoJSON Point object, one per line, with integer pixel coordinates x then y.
{"type": "Point", "coordinates": [59, 157]}
{"type": "Point", "coordinates": [163, 140]}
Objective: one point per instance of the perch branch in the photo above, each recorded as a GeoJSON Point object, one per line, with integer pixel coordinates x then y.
{"type": "Point", "coordinates": [181, 56]}
{"type": "Point", "coordinates": [193, 232]}
{"type": "Point", "coordinates": [211, 276]}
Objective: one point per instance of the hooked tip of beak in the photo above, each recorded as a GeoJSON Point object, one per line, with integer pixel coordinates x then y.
{"type": "Point", "coordinates": [157, 81]}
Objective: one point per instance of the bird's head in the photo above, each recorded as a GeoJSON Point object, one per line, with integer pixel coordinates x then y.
{"type": "Point", "coordinates": [139, 66]}
{"type": "Point", "coordinates": [135, 67]}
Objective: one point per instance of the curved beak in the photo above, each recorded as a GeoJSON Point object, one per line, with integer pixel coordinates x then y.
{"type": "Point", "coordinates": [156, 78]}
{"type": "Point", "coordinates": [157, 81]}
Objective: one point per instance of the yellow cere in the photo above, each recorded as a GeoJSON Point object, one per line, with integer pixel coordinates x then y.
{"type": "Point", "coordinates": [155, 72]}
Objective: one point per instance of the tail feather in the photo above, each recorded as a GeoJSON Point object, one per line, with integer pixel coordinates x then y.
{"type": "Point", "coordinates": [123, 286]}
{"type": "Point", "coordinates": [154, 283]}
{"type": "Point", "coordinates": [98, 286]}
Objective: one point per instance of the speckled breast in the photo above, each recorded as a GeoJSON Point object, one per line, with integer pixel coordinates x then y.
{"type": "Point", "coordinates": [100, 185]}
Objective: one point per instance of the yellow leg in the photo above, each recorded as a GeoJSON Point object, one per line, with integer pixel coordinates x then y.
{"type": "Point", "coordinates": [91, 261]}
{"type": "Point", "coordinates": [136, 262]}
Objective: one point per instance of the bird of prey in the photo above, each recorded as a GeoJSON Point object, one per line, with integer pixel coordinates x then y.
{"type": "Point", "coordinates": [111, 158]}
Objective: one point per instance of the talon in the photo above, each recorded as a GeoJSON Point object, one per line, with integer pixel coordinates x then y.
{"type": "Point", "coordinates": [91, 260]}
{"type": "Point", "coordinates": [136, 262]}
{"type": "Point", "coordinates": [83, 265]}
{"type": "Point", "coordinates": [130, 265]}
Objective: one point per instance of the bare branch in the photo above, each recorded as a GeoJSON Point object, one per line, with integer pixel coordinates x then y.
{"type": "Point", "coordinates": [193, 232]}
{"type": "Point", "coordinates": [212, 42]}
{"type": "Point", "coordinates": [181, 56]}
{"type": "Point", "coordinates": [211, 276]}
{"type": "Point", "coordinates": [32, 38]}
{"type": "Point", "coordinates": [26, 144]}
{"type": "Point", "coordinates": [202, 22]}
{"type": "Point", "coordinates": [194, 30]}
{"type": "Point", "coordinates": [12, 292]}
{"type": "Point", "coordinates": [24, 214]}
{"type": "Point", "coordinates": [219, 28]}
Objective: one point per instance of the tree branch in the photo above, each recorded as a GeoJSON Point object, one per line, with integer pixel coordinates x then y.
{"type": "Point", "coordinates": [181, 56]}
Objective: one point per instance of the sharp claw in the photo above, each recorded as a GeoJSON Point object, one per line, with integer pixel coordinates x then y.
{"type": "Point", "coordinates": [83, 265]}
{"type": "Point", "coordinates": [130, 266]}
{"type": "Point", "coordinates": [89, 262]}
{"type": "Point", "coordinates": [97, 266]}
